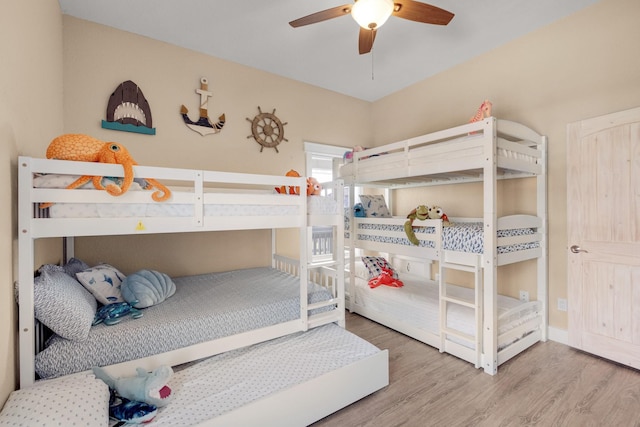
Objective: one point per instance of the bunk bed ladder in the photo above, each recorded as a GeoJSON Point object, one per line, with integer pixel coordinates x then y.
{"type": "Point", "coordinates": [451, 339]}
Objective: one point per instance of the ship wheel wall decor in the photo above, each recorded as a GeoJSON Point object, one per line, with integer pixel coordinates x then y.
{"type": "Point", "coordinates": [267, 130]}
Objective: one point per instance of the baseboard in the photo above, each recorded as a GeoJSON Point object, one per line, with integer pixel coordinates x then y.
{"type": "Point", "coordinates": [559, 335]}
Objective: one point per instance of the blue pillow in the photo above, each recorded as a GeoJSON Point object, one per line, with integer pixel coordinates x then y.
{"type": "Point", "coordinates": [145, 288]}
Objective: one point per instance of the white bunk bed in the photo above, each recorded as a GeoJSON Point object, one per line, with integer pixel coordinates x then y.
{"type": "Point", "coordinates": [484, 151]}
{"type": "Point", "coordinates": [205, 201]}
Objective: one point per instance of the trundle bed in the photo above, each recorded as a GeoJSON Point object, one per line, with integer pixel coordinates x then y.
{"type": "Point", "coordinates": [217, 322]}
{"type": "Point", "coordinates": [475, 324]}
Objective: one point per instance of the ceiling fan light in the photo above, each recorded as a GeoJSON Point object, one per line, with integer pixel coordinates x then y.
{"type": "Point", "coordinates": [371, 14]}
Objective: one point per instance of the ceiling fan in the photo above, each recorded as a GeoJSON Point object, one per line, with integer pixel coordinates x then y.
{"type": "Point", "coordinates": [371, 14]}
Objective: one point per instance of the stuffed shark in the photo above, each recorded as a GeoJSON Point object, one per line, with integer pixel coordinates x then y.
{"type": "Point", "coordinates": [145, 387]}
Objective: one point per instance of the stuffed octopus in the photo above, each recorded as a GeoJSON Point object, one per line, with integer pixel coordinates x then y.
{"type": "Point", "coordinates": [85, 148]}
{"type": "Point", "coordinates": [112, 314]}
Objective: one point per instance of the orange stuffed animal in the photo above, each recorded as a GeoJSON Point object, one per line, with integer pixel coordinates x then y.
{"type": "Point", "coordinates": [292, 190]}
{"type": "Point", "coordinates": [85, 148]}
{"type": "Point", "coordinates": [313, 187]}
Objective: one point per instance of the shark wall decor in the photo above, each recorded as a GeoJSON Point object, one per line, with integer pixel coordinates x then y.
{"type": "Point", "coordinates": [128, 110]}
{"type": "Point", "coordinates": [204, 126]}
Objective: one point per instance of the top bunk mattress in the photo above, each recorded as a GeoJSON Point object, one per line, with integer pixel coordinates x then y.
{"type": "Point", "coordinates": [204, 307]}
{"type": "Point", "coordinates": [316, 205]}
{"type": "Point", "coordinates": [449, 156]}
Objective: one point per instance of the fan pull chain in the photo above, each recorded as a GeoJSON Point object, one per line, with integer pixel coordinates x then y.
{"type": "Point", "coordinates": [372, 76]}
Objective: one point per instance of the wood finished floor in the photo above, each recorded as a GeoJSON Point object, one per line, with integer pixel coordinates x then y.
{"type": "Point", "coordinates": [550, 384]}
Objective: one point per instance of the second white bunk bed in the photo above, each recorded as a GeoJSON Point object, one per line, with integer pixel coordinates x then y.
{"type": "Point", "coordinates": [497, 327]}
{"type": "Point", "coordinates": [309, 296]}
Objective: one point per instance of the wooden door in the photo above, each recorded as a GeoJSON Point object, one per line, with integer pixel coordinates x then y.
{"type": "Point", "coordinates": [603, 206]}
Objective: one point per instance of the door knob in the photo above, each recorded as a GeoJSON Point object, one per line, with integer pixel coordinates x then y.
{"type": "Point", "coordinates": [576, 249]}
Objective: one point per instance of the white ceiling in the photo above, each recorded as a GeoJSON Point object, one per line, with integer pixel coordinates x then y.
{"type": "Point", "coordinates": [256, 33]}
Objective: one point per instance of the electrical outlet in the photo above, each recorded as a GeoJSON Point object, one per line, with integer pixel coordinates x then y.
{"type": "Point", "coordinates": [524, 296]}
{"type": "Point", "coordinates": [562, 304]}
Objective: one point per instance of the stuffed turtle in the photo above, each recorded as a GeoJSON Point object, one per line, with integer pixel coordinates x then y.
{"type": "Point", "coordinates": [421, 213]}
{"type": "Point", "coordinates": [111, 314]}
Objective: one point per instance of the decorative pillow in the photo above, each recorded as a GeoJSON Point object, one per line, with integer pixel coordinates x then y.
{"type": "Point", "coordinates": [62, 304]}
{"type": "Point", "coordinates": [103, 281]}
{"type": "Point", "coordinates": [375, 264]}
{"type": "Point", "coordinates": [375, 206]}
{"type": "Point", "coordinates": [146, 288]}
{"type": "Point", "coordinates": [76, 400]}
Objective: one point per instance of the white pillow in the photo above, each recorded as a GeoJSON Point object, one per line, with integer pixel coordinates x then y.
{"type": "Point", "coordinates": [375, 206]}
{"type": "Point", "coordinates": [104, 282]}
{"type": "Point", "coordinates": [76, 400]}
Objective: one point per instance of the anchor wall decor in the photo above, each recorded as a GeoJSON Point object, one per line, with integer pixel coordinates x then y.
{"type": "Point", "coordinates": [204, 126]}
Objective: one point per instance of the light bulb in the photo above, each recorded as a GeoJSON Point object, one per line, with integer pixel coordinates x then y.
{"type": "Point", "coordinates": [371, 14]}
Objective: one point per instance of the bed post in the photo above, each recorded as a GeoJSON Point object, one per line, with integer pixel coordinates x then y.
{"type": "Point", "coordinates": [490, 334]}
{"type": "Point", "coordinates": [26, 316]}
{"type": "Point", "coordinates": [542, 261]}
{"type": "Point", "coordinates": [351, 290]}
{"type": "Point", "coordinates": [304, 261]}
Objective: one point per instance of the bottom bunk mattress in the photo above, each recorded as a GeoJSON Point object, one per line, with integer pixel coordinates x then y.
{"type": "Point", "coordinates": [222, 383]}
{"type": "Point", "coordinates": [204, 307]}
{"type": "Point", "coordinates": [417, 304]}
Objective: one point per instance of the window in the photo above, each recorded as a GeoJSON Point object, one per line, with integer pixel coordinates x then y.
{"type": "Point", "coordinates": [322, 162]}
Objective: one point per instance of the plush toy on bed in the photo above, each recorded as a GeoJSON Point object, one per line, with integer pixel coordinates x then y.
{"type": "Point", "coordinates": [385, 278]}
{"type": "Point", "coordinates": [436, 212]}
{"type": "Point", "coordinates": [135, 400]}
{"type": "Point", "coordinates": [421, 212]}
{"type": "Point", "coordinates": [147, 387]}
{"type": "Point", "coordinates": [348, 156]}
{"type": "Point", "coordinates": [484, 112]}
{"type": "Point", "coordinates": [85, 148]}
{"type": "Point", "coordinates": [112, 314]}
{"type": "Point", "coordinates": [291, 189]}
{"type": "Point", "coordinates": [313, 187]}
{"type": "Point", "coordinates": [130, 411]}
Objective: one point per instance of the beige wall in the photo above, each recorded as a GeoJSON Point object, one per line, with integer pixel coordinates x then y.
{"type": "Point", "coordinates": [582, 66]}
{"type": "Point", "coordinates": [30, 110]}
{"type": "Point", "coordinates": [98, 58]}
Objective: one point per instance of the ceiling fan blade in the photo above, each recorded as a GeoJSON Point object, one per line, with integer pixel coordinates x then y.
{"type": "Point", "coordinates": [365, 40]}
{"type": "Point", "coordinates": [421, 12]}
{"type": "Point", "coordinates": [334, 12]}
